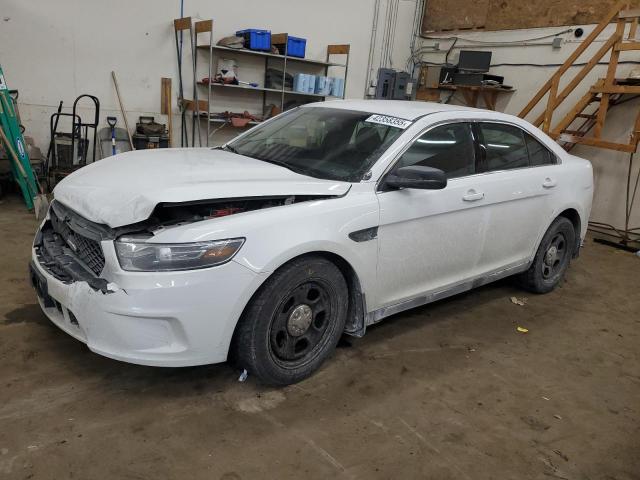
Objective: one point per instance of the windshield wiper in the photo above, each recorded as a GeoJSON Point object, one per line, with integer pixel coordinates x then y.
{"type": "Point", "coordinates": [295, 169]}
{"type": "Point", "coordinates": [227, 148]}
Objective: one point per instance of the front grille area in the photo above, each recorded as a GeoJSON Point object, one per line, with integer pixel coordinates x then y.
{"type": "Point", "coordinates": [65, 250]}
{"type": "Point", "coordinates": [87, 250]}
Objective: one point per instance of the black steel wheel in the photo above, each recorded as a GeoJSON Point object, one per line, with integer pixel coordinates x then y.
{"type": "Point", "coordinates": [300, 322]}
{"type": "Point", "coordinates": [293, 323]}
{"type": "Point", "coordinates": [552, 258]}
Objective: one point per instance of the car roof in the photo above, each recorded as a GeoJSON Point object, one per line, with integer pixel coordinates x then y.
{"type": "Point", "coordinates": [409, 110]}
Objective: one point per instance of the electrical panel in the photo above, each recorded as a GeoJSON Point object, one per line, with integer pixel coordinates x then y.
{"type": "Point", "coordinates": [384, 87]}
{"type": "Point", "coordinates": [392, 85]}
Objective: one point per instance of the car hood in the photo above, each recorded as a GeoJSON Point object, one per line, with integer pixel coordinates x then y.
{"type": "Point", "coordinates": [125, 188]}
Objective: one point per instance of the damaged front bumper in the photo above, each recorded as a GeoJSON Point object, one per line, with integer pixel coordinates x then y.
{"type": "Point", "coordinates": [149, 318]}
{"type": "Point", "coordinates": [57, 257]}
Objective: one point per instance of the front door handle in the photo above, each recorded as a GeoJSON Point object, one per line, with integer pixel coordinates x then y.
{"type": "Point", "coordinates": [549, 182]}
{"type": "Point", "coordinates": [473, 196]}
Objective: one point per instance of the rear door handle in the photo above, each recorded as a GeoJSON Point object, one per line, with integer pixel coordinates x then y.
{"type": "Point", "coordinates": [473, 196]}
{"type": "Point", "coordinates": [549, 183]}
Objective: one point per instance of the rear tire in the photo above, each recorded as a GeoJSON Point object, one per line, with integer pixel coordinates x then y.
{"type": "Point", "coordinates": [552, 258]}
{"type": "Point", "coordinates": [293, 323]}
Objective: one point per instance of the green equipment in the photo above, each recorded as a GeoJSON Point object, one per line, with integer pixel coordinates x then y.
{"type": "Point", "coordinates": [11, 136]}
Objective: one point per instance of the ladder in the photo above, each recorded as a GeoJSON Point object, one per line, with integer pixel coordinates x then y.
{"type": "Point", "coordinates": [607, 92]}
{"type": "Point", "coordinates": [11, 137]}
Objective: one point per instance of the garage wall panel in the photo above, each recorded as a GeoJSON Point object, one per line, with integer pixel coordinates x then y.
{"type": "Point", "coordinates": [443, 15]}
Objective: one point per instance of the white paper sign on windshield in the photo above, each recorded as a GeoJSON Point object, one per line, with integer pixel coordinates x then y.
{"type": "Point", "coordinates": [389, 121]}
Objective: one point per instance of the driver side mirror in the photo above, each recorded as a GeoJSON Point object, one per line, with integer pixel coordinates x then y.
{"type": "Point", "coordinates": [416, 176]}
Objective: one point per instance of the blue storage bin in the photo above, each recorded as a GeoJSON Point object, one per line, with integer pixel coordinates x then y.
{"type": "Point", "coordinates": [255, 39]}
{"type": "Point", "coordinates": [296, 47]}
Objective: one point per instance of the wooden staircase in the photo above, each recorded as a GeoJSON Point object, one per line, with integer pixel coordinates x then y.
{"type": "Point", "coordinates": [576, 126]}
{"type": "Point", "coordinates": [589, 113]}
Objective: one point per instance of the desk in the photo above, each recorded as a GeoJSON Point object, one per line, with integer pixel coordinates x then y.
{"type": "Point", "coordinates": [469, 92]}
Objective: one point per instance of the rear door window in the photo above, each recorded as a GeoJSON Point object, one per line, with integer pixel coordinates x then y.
{"type": "Point", "coordinates": [504, 147]}
{"type": "Point", "coordinates": [538, 153]}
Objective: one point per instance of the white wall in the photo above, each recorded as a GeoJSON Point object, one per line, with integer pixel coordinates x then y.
{"type": "Point", "coordinates": [610, 167]}
{"type": "Point", "coordinates": [54, 51]}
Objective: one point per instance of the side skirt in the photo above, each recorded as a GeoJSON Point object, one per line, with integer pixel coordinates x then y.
{"type": "Point", "coordinates": [434, 295]}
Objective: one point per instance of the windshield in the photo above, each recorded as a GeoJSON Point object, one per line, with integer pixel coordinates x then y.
{"type": "Point", "coordinates": [328, 143]}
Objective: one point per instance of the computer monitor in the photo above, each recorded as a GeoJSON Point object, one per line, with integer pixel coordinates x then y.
{"type": "Point", "coordinates": [474, 61]}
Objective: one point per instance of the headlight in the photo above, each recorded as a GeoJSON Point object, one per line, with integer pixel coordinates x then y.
{"type": "Point", "coordinates": [137, 255]}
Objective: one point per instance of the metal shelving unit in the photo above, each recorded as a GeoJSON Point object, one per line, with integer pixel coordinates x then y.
{"type": "Point", "coordinates": [288, 63]}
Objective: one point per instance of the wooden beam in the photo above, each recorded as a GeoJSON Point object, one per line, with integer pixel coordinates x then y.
{"type": "Point", "coordinates": [595, 142]}
{"type": "Point", "coordinates": [574, 56]}
{"type": "Point", "coordinates": [631, 89]}
{"type": "Point", "coordinates": [551, 100]}
{"type": "Point", "coordinates": [338, 49]}
{"type": "Point", "coordinates": [631, 13]}
{"type": "Point", "coordinates": [165, 104]}
{"type": "Point", "coordinates": [204, 26]}
{"type": "Point", "coordinates": [628, 46]}
{"type": "Point", "coordinates": [635, 135]}
{"type": "Point", "coordinates": [582, 73]}
{"type": "Point", "coordinates": [182, 23]}
{"type": "Point", "coordinates": [633, 30]}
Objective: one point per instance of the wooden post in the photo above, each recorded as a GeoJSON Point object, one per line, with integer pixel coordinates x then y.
{"type": "Point", "coordinates": [551, 103]}
{"type": "Point", "coordinates": [634, 29]}
{"type": "Point", "coordinates": [165, 104]}
{"type": "Point", "coordinates": [635, 135]}
{"type": "Point", "coordinates": [609, 80]}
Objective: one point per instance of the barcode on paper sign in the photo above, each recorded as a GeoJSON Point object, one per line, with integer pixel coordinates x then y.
{"type": "Point", "coordinates": [389, 121]}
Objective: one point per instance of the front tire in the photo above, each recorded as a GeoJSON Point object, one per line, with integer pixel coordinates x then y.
{"type": "Point", "coordinates": [552, 258]}
{"type": "Point", "coordinates": [293, 323]}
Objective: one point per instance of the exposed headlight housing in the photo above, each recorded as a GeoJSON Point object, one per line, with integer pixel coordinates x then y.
{"type": "Point", "coordinates": [138, 255]}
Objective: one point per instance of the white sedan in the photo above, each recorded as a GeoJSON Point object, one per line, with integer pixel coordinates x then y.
{"type": "Point", "coordinates": [321, 221]}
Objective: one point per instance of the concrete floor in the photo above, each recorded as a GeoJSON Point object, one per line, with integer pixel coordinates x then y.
{"type": "Point", "coordinates": [448, 391]}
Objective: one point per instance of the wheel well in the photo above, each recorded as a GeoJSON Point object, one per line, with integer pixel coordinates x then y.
{"type": "Point", "coordinates": [574, 217]}
{"type": "Point", "coordinates": [355, 324]}
{"type": "Point", "coordinates": [356, 311]}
